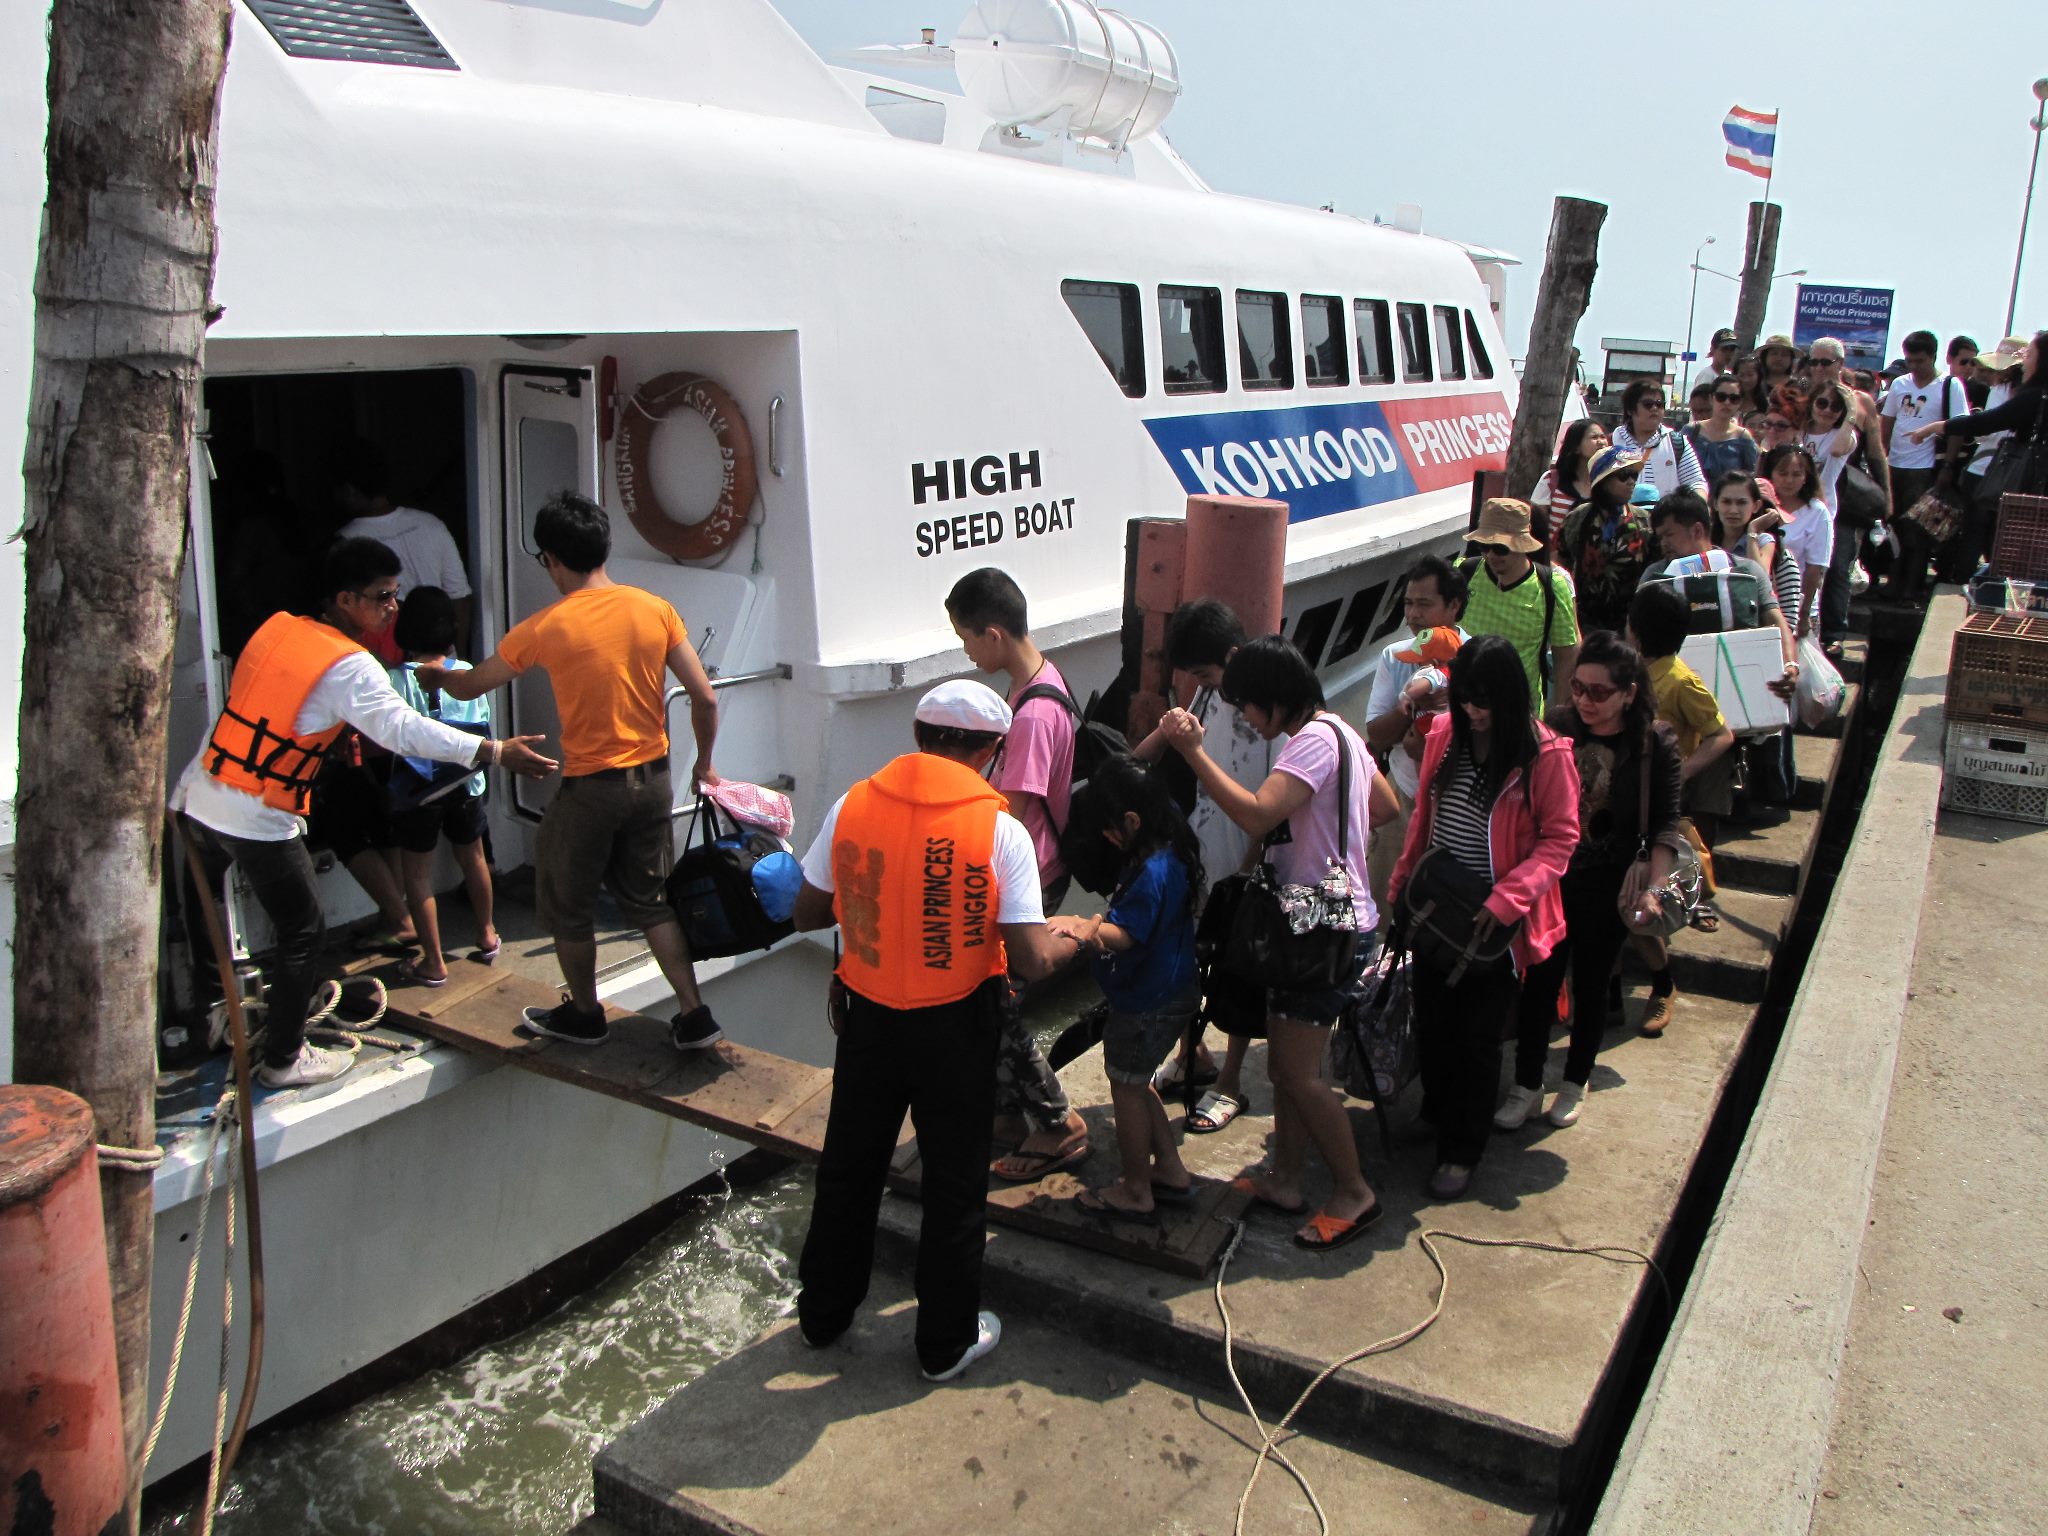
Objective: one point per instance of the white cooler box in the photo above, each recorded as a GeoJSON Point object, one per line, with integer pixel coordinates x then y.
{"type": "Point", "coordinates": [1739, 667]}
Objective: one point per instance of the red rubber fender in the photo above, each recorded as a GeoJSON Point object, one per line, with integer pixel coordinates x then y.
{"type": "Point", "coordinates": [649, 407]}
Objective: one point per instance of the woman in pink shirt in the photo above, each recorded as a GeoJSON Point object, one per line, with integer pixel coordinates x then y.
{"type": "Point", "coordinates": [1297, 810]}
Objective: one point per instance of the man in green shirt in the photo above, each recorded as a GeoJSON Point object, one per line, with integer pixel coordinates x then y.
{"type": "Point", "coordinates": [1530, 605]}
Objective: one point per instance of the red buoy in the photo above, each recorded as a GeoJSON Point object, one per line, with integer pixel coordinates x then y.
{"type": "Point", "coordinates": [66, 1469]}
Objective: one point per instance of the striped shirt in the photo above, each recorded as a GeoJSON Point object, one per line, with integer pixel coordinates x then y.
{"type": "Point", "coordinates": [1462, 816]}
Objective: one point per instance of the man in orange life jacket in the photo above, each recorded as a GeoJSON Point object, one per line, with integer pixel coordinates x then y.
{"type": "Point", "coordinates": [242, 800]}
{"type": "Point", "coordinates": [935, 889]}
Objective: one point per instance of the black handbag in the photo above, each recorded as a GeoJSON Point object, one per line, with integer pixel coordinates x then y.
{"type": "Point", "coordinates": [1264, 946]}
{"type": "Point", "coordinates": [715, 889]}
{"type": "Point", "coordinates": [2018, 468]}
{"type": "Point", "coordinates": [1438, 907]}
{"type": "Point", "coordinates": [1860, 501]}
{"type": "Point", "coordinates": [1374, 1052]}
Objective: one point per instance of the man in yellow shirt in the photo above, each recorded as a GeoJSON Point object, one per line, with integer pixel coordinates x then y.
{"type": "Point", "coordinates": [607, 650]}
{"type": "Point", "coordinates": [1657, 623]}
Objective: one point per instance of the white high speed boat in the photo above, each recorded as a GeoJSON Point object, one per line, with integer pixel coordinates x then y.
{"type": "Point", "coordinates": [504, 239]}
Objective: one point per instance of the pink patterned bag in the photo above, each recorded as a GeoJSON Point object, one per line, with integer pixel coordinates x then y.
{"type": "Point", "coordinates": [753, 805]}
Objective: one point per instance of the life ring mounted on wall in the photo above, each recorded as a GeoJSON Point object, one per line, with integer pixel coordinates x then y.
{"type": "Point", "coordinates": [651, 404]}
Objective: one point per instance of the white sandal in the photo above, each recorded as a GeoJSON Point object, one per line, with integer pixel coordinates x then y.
{"type": "Point", "coordinates": [1218, 1109]}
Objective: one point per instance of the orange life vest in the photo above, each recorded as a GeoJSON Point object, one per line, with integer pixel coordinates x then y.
{"type": "Point", "coordinates": [913, 863]}
{"type": "Point", "coordinates": [253, 747]}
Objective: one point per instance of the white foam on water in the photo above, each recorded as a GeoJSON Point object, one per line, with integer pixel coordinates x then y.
{"type": "Point", "coordinates": [502, 1440]}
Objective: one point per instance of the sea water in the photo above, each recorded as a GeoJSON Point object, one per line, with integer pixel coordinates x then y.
{"type": "Point", "coordinates": [502, 1441]}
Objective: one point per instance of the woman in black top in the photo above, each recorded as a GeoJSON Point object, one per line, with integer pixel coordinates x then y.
{"type": "Point", "coordinates": [1611, 723]}
{"type": "Point", "coordinates": [2017, 415]}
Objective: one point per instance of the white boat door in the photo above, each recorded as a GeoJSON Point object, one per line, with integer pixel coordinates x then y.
{"type": "Point", "coordinates": [550, 445]}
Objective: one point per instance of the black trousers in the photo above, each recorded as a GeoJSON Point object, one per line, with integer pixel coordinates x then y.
{"type": "Point", "coordinates": [1458, 1032]}
{"type": "Point", "coordinates": [1593, 936]}
{"type": "Point", "coordinates": [280, 876]}
{"type": "Point", "coordinates": [939, 1064]}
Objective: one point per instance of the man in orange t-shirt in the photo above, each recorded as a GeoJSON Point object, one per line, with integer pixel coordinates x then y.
{"type": "Point", "coordinates": [607, 650]}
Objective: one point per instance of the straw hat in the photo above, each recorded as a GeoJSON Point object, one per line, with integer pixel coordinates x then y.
{"type": "Point", "coordinates": [2009, 353]}
{"type": "Point", "coordinates": [1778, 340]}
{"type": "Point", "coordinates": [1505, 521]}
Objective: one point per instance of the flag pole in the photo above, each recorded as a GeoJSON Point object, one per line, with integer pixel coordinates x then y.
{"type": "Point", "coordinates": [1778, 121]}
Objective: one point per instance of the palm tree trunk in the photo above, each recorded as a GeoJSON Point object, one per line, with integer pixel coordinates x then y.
{"type": "Point", "coordinates": [123, 287]}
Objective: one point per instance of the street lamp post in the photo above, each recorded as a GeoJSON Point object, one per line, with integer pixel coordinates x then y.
{"type": "Point", "coordinates": [1692, 306]}
{"type": "Point", "coordinates": [1775, 276]}
{"type": "Point", "coordinates": [2038, 122]}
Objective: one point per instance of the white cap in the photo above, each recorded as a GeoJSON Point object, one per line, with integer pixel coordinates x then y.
{"type": "Point", "coordinates": [965, 706]}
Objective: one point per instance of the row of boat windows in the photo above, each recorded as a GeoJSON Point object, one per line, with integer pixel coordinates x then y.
{"type": "Point", "coordinates": [1435, 341]}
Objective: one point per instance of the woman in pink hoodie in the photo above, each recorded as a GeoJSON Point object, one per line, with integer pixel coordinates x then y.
{"type": "Point", "coordinates": [1499, 792]}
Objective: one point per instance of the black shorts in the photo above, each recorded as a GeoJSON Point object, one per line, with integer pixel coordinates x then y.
{"type": "Point", "coordinates": [459, 817]}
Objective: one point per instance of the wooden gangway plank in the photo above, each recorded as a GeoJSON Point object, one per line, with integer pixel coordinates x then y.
{"type": "Point", "coordinates": [771, 1101]}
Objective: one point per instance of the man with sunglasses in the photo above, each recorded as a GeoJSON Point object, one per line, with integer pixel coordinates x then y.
{"type": "Point", "coordinates": [1915, 399]}
{"type": "Point", "coordinates": [297, 684]}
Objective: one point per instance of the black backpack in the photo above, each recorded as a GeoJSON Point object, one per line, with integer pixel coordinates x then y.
{"type": "Point", "coordinates": [1095, 741]}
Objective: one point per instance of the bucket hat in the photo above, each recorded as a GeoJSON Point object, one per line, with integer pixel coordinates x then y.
{"type": "Point", "coordinates": [1612, 461]}
{"type": "Point", "coordinates": [1505, 521]}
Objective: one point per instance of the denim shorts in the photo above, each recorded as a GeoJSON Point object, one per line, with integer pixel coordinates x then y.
{"type": "Point", "coordinates": [1134, 1044]}
{"type": "Point", "coordinates": [1323, 1007]}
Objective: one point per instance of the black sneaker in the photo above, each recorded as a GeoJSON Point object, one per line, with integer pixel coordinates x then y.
{"type": "Point", "coordinates": [694, 1030]}
{"type": "Point", "coordinates": [565, 1021]}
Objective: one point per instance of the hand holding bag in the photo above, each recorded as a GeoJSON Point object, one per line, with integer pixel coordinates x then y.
{"type": "Point", "coordinates": [1667, 906]}
{"type": "Point", "coordinates": [1301, 938]}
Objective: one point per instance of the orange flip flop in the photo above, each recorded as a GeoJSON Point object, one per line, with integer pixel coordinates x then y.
{"type": "Point", "coordinates": [1325, 1232]}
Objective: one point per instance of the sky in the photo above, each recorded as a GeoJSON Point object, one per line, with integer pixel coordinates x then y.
{"type": "Point", "coordinates": [1902, 155]}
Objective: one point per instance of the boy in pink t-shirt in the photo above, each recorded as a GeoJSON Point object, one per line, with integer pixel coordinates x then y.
{"type": "Point", "coordinates": [1035, 771]}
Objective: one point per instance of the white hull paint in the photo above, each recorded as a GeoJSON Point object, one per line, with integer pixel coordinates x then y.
{"type": "Point", "coordinates": [696, 191]}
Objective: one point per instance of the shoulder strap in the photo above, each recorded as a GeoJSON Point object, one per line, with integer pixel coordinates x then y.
{"type": "Point", "coordinates": [1343, 795]}
{"type": "Point", "coordinates": [1643, 807]}
{"type": "Point", "coordinates": [1049, 691]}
{"type": "Point", "coordinates": [1543, 575]}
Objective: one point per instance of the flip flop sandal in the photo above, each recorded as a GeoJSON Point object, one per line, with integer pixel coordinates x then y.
{"type": "Point", "coordinates": [1706, 919]}
{"type": "Point", "coordinates": [1092, 1201]}
{"type": "Point", "coordinates": [1168, 1078]}
{"type": "Point", "coordinates": [1325, 1232]}
{"type": "Point", "coordinates": [1215, 1111]}
{"type": "Point", "coordinates": [1038, 1164]}
{"type": "Point", "coordinates": [409, 975]}
{"type": "Point", "coordinates": [1172, 1194]}
{"type": "Point", "coordinates": [487, 956]}
{"type": "Point", "coordinates": [1244, 1186]}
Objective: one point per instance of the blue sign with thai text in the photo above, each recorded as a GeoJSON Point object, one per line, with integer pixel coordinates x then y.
{"type": "Point", "coordinates": [1859, 318]}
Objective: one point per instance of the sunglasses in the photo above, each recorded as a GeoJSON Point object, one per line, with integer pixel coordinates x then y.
{"type": "Point", "coordinates": [1832, 407]}
{"type": "Point", "coordinates": [1776, 424]}
{"type": "Point", "coordinates": [1594, 693]}
{"type": "Point", "coordinates": [1649, 403]}
{"type": "Point", "coordinates": [1827, 362]}
{"type": "Point", "coordinates": [381, 597]}
{"type": "Point", "coordinates": [1734, 399]}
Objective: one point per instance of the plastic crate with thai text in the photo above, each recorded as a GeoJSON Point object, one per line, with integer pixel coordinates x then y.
{"type": "Point", "coordinates": [1996, 770]}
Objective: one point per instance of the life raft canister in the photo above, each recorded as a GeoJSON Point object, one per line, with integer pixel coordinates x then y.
{"type": "Point", "coordinates": [253, 747]}
{"type": "Point", "coordinates": [913, 866]}
{"type": "Point", "coordinates": [651, 404]}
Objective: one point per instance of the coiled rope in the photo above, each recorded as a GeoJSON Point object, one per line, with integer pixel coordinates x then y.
{"type": "Point", "coordinates": [1270, 1441]}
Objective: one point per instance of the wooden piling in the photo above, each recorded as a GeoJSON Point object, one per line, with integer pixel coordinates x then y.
{"type": "Point", "coordinates": [1569, 262]}
{"type": "Point", "coordinates": [1760, 259]}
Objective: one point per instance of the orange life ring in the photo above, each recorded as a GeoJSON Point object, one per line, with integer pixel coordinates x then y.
{"type": "Point", "coordinates": [649, 407]}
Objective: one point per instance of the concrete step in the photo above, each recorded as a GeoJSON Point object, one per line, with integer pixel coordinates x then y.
{"type": "Point", "coordinates": [1813, 761]}
{"type": "Point", "coordinates": [1515, 1381]}
{"type": "Point", "coordinates": [1735, 961]}
{"type": "Point", "coordinates": [1045, 1434]}
{"type": "Point", "coordinates": [1769, 855]}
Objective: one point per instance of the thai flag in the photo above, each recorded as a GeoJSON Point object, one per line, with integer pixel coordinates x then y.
{"type": "Point", "coordinates": [1751, 136]}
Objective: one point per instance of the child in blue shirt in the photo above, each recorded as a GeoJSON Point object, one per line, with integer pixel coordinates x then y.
{"type": "Point", "coordinates": [1144, 948]}
{"type": "Point", "coordinates": [425, 631]}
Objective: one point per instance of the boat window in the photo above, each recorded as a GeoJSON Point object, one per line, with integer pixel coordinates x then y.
{"type": "Point", "coordinates": [1450, 346]}
{"type": "Point", "coordinates": [1482, 365]}
{"type": "Point", "coordinates": [364, 31]}
{"type": "Point", "coordinates": [1358, 623]}
{"type": "Point", "coordinates": [907, 116]}
{"type": "Point", "coordinates": [1191, 340]}
{"type": "Point", "coordinates": [1314, 629]}
{"type": "Point", "coordinates": [1108, 313]}
{"type": "Point", "coordinates": [1265, 356]}
{"type": "Point", "coordinates": [1375, 341]}
{"type": "Point", "coordinates": [1322, 341]}
{"type": "Point", "coordinates": [1414, 342]}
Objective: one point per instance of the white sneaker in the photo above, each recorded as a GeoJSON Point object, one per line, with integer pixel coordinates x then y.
{"type": "Point", "coordinates": [1519, 1105]}
{"type": "Point", "coordinates": [311, 1065]}
{"type": "Point", "coordinates": [1564, 1109]}
{"type": "Point", "coordinates": [987, 1337]}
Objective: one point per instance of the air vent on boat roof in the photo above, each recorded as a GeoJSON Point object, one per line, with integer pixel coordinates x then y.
{"type": "Point", "coordinates": [365, 31]}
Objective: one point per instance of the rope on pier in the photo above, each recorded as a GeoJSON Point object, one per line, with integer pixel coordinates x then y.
{"type": "Point", "coordinates": [1271, 1441]}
